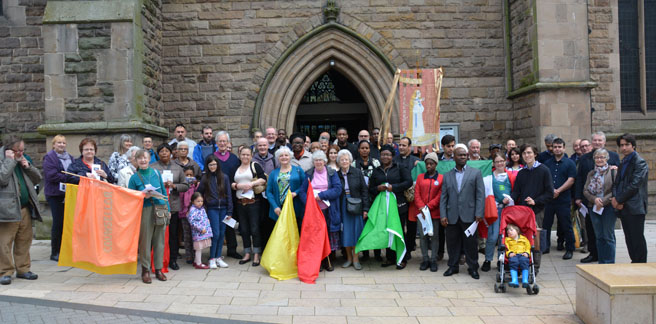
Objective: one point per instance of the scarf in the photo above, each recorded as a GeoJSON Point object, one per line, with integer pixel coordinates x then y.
{"type": "Point", "coordinates": [596, 186]}
{"type": "Point", "coordinates": [65, 159]}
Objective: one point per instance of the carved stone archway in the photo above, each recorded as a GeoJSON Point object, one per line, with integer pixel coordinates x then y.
{"type": "Point", "coordinates": [353, 57]}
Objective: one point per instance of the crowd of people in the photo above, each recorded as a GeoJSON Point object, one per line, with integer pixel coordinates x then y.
{"type": "Point", "coordinates": [202, 186]}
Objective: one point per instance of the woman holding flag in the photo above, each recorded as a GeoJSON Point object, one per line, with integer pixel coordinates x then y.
{"type": "Point", "coordinates": [391, 177]}
{"type": "Point", "coordinates": [286, 177]}
{"type": "Point", "coordinates": [327, 188]}
{"type": "Point", "coordinates": [354, 188]}
{"type": "Point", "coordinates": [88, 165]}
{"type": "Point", "coordinates": [151, 232]}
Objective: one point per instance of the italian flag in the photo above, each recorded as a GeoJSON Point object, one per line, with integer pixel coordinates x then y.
{"type": "Point", "coordinates": [485, 166]}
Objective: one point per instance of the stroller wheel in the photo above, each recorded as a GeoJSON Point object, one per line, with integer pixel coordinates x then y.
{"type": "Point", "coordinates": [496, 288]}
{"type": "Point", "coordinates": [529, 291]}
{"type": "Point", "coordinates": [536, 289]}
{"type": "Point", "coordinates": [498, 277]}
{"type": "Point", "coordinates": [503, 288]}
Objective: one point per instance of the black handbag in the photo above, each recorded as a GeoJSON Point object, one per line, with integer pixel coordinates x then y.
{"type": "Point", "coordinates": [354, 205]}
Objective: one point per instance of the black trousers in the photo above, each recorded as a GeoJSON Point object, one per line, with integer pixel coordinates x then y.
{"type": "Point", "coordinates": [441, 238]}
{"type": "Point", "coordinates": [56, 204]}
{"type": "Point", "coordinates": [230, 235]}
{"type": "Point", "coordinates": [266, 223]}
{"type": "Point", "coordinates": [564, 227]}
{"type": "Point", "coordinates": [456, 240]}
{"type": "Point", "coordinates": [592, 238]}
{"type": "Point", "coordinates": [634, 236]}
{"type": "Point", "coordinates": [408, 237]}
{"type": "Point", "coordinates": [250, 227]}
{"type": "Point", "coordinates": [174, 241]}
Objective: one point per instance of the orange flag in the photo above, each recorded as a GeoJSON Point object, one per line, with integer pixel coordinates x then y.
{"type": "Point", "coordinates": [107, 222]}
{"type": "Point", "coordinates": [314, 245]}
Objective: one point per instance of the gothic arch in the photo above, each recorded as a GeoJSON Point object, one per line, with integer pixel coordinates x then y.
{"type": "Point", "coordinates": [305, 60]}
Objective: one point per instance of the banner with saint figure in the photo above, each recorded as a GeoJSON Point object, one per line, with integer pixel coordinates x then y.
{"type": "Point", "coordinates": [419, 105]}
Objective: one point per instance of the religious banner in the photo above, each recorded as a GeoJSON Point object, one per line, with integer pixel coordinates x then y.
{"type": "Point", "coordinates": [419, 105]}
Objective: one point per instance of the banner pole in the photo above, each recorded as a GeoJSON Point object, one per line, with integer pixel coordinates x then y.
{"type": "Point", "coordinates": [387, 111]}
{"type": "Point", "coordinates": [438, 89]}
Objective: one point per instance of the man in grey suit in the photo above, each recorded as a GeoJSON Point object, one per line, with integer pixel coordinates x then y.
{"type": "Point", "coordinates": [462, 203]}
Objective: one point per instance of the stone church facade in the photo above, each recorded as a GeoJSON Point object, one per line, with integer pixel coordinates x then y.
{"type": "Point", "coordinates": [513, 68]}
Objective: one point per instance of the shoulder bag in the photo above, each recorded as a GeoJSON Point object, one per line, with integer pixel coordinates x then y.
{"type": "Point", "coordinates": [161, 213]}
{"type": "Point", "coordinates": [260, 188]}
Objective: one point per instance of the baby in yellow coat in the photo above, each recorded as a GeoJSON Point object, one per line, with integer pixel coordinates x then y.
{"type": "Point", "coordinates": [518, 251]}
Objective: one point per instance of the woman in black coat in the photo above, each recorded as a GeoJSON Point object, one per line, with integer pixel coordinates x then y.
{"type": "Point", "coordinates": [354, 187]}
{"type": "Point", "coordinates": [390, 176]}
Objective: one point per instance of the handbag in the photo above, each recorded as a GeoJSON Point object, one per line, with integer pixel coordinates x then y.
{"type": "Point", "coordinates": [354, 205]}
{"type": "Point", "coordinates": [161, 213]}
{"type": "Point", "coordinates": [410, 193]}
{"type": "Point", "coordinates": [260, 188]}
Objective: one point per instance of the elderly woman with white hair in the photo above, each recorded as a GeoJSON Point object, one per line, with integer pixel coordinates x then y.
{"type": "Point", "coordinates": [127, 172]}
{"type": "Point", "coordinates": [119, 160]}
{"type": "Point", "coordinates": [327, 188]}
{"type": "Point", "coordinates": [598, 191]}
{"type": "Point", "coordinates": [354, 205]}
{"type": "Point", "coordinates": [286, 178]}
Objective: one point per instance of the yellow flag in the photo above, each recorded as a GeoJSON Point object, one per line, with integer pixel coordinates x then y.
{"type": "Point", "coordinates": [279, 256]}
{"type": "Point", "coordinates": [66, 250]}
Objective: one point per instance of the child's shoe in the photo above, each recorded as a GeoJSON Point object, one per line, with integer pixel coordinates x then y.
{"type": "Point", "coordinates": [213, 264]}
{"type": "Point", "coordinates": [513, 279]}
{"type": "Point", "coordinates": [201, 266]}
{"type": "Point", "coordinates": [524, 278]}
{"type": "Point", "coordinates": [221, 263]}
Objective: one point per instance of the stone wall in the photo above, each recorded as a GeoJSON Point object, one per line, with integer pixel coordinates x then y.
{"type": "Point", "coordinates": [522, 37]}
{"type": "Point", "coordinates": [604, 65]}
{"type": "Point", "coordinates": [212, 51]}
{"type": "Point", "coordinates": [151, 26]}
{"type": "Point", "coordinates": [21, 72]}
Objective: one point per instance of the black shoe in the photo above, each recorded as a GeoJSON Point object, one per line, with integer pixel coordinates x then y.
{"type": "Point", "coordinates": [235, 255]}
{"type": "Point", "coordinates": [5, 280]}
{"type": "Point", "coordinates": [433, 266]}
{"type": "Point", "coordinates": [387, 264]}
{"type": "Point", "coordinates": [401, 266]}
{"type": "Point", "coordinates": [473, 274]}
{"type": "Point", "coordinates": [378, 258]}
{"type": "Point", "coordinates": [190, 261]}
{"type": "Point", "coordinates": [568, 255]}
{"type": "Point", "coordinates": [589, 258]}
{"type": "Point", "coordinates": [173, 265]}
{"type": "Point", "coordinates": [545, 252]}
{"type": "Point", "coordinates": [560, 247]}
{"type": "Point", "coordinates": [27, 275]}
{"type": "Point", "coordinates": [440, 256]}
{"type": "Point", "coordinates": [450, 271]}
{"type": "Point", "coordinates": [54, 257]}
{"type": "Point", "coordinates": [242, 261]}
{"type": "Point", "coordinates": [424, 265]}
{"type": "Point", "coordinates": [486, 266]}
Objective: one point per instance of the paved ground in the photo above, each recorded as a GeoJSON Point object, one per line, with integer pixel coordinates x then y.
{"type": "Point", "coordinates": [243, 292]}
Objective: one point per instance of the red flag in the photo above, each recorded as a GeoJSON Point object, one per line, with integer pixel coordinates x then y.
{"type": "Point", "coordinates": [314, 245]}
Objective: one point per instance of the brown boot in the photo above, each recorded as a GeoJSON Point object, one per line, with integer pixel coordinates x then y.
{"type": "Point", "coordinates": [145, 275]}
{"type": "Point", "coordinates": [160, 275]}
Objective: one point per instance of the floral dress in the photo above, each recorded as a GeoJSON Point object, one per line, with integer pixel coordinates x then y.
{"type": "Point", "coordinates": [199, 221]}
{"type": "Point", "coordinates": [117, 162]}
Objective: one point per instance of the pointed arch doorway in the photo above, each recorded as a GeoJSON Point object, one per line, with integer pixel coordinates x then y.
{"type": "Point", "coordinates": [330, 49]}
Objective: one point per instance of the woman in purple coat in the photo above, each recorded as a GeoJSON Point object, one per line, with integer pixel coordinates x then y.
{"type": "Point", "coordinates": [56, 161]}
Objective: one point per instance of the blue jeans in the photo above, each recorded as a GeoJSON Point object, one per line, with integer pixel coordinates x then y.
{"type": "Point", "coordinates": [604, 227]}
{"type": "Point", "coordinates": [216, 216]}
{"type": "Point", "coordinates": [564, 222]}
{"type": "Point", "coordinates": [492, 237]}
{"type": "Point", "coordinates": [518, 262]}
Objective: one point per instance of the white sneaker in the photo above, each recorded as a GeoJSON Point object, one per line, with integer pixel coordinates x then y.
{"type": "Point", "coordinates": [213, 264]}
{"type": "Point", "coordinates": [221, 263]}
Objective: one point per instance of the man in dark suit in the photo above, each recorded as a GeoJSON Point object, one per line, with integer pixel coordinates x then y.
{"type": "Point", "coordinates": [462, 203]}
{"type": "Point", "coordinates": [586, 164]}
{"type": "Point", "coordinates": [630, 197]}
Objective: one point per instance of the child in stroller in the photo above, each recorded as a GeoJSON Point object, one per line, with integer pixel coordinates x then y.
{"type": "Point", "coordinates": [518, 250]}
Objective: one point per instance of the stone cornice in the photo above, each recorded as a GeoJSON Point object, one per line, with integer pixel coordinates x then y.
{"type": "Point", "coordinates": [61, 12]}
{"type": "Point", "coordinates": [539, 86]}
{"type": "Point", "coordinates": [102, 128]}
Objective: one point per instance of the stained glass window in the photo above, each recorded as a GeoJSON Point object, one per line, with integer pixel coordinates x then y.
{"type": "Point", "coordinates": [322, 90]}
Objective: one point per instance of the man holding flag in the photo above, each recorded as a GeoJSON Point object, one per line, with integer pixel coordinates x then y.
{"type": "Point", "coordinates": [462, 203]}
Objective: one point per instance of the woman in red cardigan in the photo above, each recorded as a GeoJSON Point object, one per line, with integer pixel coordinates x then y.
{"type": "Point", "coordinates": [428, 190]}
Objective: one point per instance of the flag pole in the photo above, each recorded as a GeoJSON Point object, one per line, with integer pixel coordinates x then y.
{"type": "Point", "coordinates": [79, 176]}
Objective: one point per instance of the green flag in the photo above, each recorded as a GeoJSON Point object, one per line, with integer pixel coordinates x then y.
{"type": "Point", "coordinates": [383, 228]}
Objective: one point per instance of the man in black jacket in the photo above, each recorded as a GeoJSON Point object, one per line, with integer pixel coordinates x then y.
{"type": "Point", "coordinates": [630, 197]}
{"type": "Point", "coordinates": [408, 161]}
{"type": "Point", "coordinates": [586, 164]}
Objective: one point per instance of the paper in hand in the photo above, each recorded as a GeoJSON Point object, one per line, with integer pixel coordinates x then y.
{"type": "Point", "coordinates": [597, 210]}
{"type": "Point", "coordinates": [167, 176]}
{"type": "Point", "coordinates": [583, 210]}
{"type": "Point", "coordinates": [511, 202]}
{"type": "Point", "coordinates": [230, 222]}
{"type": "Point", "coordinates": [471, 229]}
{"type": "Point", "coordinates": [94, 168]}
